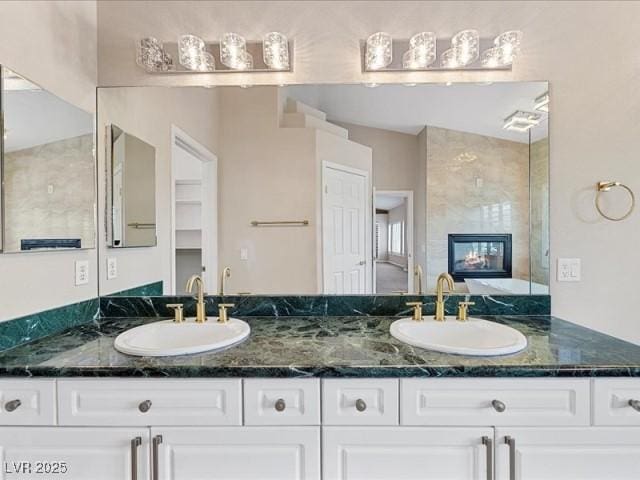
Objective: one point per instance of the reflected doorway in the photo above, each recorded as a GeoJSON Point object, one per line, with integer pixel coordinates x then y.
{"type": "Point", "coordinates": [393, 241]}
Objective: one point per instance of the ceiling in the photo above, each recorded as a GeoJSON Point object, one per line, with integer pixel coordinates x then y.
{"type": "Point", "coordinates": [467, 107]}
{"type": "Point", "coordinates": [36, 117]}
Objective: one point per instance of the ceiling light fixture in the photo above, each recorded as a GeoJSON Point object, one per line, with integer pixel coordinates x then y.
{"type": "Point", "coordinates": [233, 53]}
{"type": "Point", "coordinates": [421, 51]}
{"type": "Point", "coordinates": [541, 103]}
{"type": "Point", "coordinates": [520, 121]}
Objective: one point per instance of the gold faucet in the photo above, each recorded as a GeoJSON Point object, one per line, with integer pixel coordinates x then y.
{"type": "Point", "coordinates": [418, 273]}
{"type": "Point", "coordinates": [226, 273]}
{"type": "Point", "coordinates": [417, 310]}
{"type": "Point", "coordinates": [443, 277]}
{"type": "Point", "coordinates": [201, 315]}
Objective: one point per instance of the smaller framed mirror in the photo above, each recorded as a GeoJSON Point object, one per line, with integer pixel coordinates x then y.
{"type": "Point", "coordinates": [131, 191]}
{"type": "Point", "coordinates": [47, 165]}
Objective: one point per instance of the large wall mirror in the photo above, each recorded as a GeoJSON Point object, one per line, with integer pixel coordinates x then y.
{"type": "Point", "coordinates": [343, 189]}
{"type": "Point", "coordinates": [48, 190]}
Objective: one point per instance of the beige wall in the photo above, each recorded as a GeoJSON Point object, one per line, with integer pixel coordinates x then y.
{"type": "Point", "coordinates": [67, 211]}
{"type": "Point", "coordinates": [149, 113]}
{"type": "Point", "coordinates": [55, 45]}
{"type": "Point", "coordinates": [456, 203]}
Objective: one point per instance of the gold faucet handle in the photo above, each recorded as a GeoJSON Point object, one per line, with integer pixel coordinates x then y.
{"type": "Point", "coordinates": [417, 310]}
{"type": "Point", "coordinates": [223, 316]}
{"type": "Point", "coordinates": [178, 312]}
{"type": "Point", "coordinates": [463, 310]}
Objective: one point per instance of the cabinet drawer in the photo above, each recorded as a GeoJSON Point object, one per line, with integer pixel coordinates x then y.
{"type": "Point", "coordinates": [548, 401]}
{"type": "Point", "coordinates": [282, 402]}
{"type": "Point", "coordinates": [360, 402]}
{"type": "Point", "coordinates": [27, 402]}
{"type": "Point", "coordinates": [611, 401]}
{"type": "Point", "coordinates": [150, 402]}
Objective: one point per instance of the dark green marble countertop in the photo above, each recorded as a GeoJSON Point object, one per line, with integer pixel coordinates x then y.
{"type": "Point", "coordinates": [328, 347]}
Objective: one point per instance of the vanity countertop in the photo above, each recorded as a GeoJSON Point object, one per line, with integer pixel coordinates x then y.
{"type": "Point", "coordinates": [328, 347]}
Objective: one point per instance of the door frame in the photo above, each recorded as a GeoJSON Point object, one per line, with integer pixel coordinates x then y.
{"type": "Point", "coordinates": [408, 196]}
{"type": "Point", "coordinates": [209, 208]}
{"type": "Point", "coordinates": [368, 250]}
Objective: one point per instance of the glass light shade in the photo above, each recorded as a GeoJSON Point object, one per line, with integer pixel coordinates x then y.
{"type": "Point", "coordinates": [232, 50]}
{"type": "Point", "coordinates": [275, 51]}
{"type": "Point", "coordinates": [467, 46]}
{"type": "Point", "coordinates": [509, 43]}
{"type": "Point", "coordinates": [451, 59]}
{"type": "Point", "coordinates": [493, 58]}
{"type": "Point", "coordinates": [203, 63]}
{"type": "Point", "coordinates": [245, 62]}
{"type": "Point", "coordinates": [151, 55]}
{"type": "Point", "coordinates": [414, 59]}
{"type": "Point", "coordinates": [424, 43]}
{"type": "Point", "coordinates": [378, 51]}
{"type": "Point", "coordinates": [190, 51]}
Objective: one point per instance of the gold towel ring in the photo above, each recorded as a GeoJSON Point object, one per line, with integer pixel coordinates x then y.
{"type": "Point", "coordinates": [605, 187]}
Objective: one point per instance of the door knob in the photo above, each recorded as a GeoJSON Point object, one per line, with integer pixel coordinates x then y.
{"type": "Point", "coordinates": [362, 262]}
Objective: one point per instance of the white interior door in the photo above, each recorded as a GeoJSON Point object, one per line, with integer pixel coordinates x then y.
{"type": "Point", "coordinates": [345, 218]}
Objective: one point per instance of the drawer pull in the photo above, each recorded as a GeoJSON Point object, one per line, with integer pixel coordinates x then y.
{"type": "Point", "coordinates": [488, 443]}
{"type": "Point", "coordinates": [135, 443]}
{"type": "Point", "coordinates": [635, 404]}
{"type": "Point", "coordinates": [280, 405]}
{"type": "Point", "coordinates": [155, 446]}
{"type": "Point", "coordinates": [512, 456]}
{"type": "Point", "coordinates": [498, 406]}
{"type": "Point", "coordinates": [361, 405]}
{"type": "Point", "coordinates": [12, 405]}
{"type": "Point", "coordinates": [145, 406]}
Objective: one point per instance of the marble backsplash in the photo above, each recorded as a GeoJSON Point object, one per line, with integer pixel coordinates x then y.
{"type": "Point", "coordinates": [325, 305]}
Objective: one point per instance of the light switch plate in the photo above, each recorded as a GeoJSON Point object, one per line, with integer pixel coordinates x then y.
{"type": "Point", "coordinates": [244, 254]}
{"type": "Point", "coordinates": [569, 270]}
{"type": "Point", "coordinates": [82, 272]}
{"type": "Point", "coordinates": [112, 268]}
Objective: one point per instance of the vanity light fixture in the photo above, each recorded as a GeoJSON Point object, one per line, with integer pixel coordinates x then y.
{"type": "Point", "coordinates": [379, 51]}
{"type": "Point", "coordinates": [520, 121]}
{"type": "Point", "coordinates": [233, 53]}
{"type": "Point", "coordinates": [542, 103]}
{"type": "Point", "coordinates": [382, 53]}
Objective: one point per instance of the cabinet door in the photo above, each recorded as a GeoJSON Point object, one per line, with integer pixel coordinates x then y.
{"type": "Point", "coordinates": [233, 453]}
{"type": "Point", "coordinates": [568, 453]}
{"type": "Point", "coordinates": [30, 453]}
{"type": "Point", "coordinates": [405, 453]}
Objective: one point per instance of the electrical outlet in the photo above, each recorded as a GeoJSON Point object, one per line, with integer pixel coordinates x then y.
{"type": "Point", "coordinates": [569, 270]}
{"type": "Point", "coordinates": [112, 268]}
{"type": "Point", "coordinates": [82, 272]}
{"type": "Point", "coordinates": [244, 254]}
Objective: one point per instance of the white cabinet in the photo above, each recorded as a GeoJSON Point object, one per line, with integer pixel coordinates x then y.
{"type": "Point", "coordinates": [30, 453]}
{"type": "Point", "coordinates": [28, 402]}
{"type": "Point", "coordinates": [282, 401]}
{"type": "Point", "coordinates": [495, 401]}
{"type": "Point", "coordinates": [150, 402]}
{"type": "Point", "coordinates": [240, 453]}
{"type": "Point", "coordinates": [360, 402]}
{"type": "Point", "coordinates": [567, 453]}
{"type": "Point", "coordinates": [616, 401]}
{"type": "Point", "coordinates": [405, 453]}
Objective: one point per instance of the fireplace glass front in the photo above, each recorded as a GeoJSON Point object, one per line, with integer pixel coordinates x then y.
{"type": "Point", "coordinates": [479, 256]}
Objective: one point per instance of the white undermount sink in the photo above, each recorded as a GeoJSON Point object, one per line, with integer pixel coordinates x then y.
{"type": "Point", "coordinates": [472, 337]}
{"type": "Point", "coordinates": [167, 338]}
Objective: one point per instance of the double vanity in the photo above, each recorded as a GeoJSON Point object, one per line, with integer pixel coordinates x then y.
{"type": "Point", "coordinates": [308, 396]}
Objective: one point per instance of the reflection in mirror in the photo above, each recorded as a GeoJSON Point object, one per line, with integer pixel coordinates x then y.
{"type": "Point", "coordinates": [133, 191]}
{"type": "Point", "coordinates": [341, 189]}
{"type": "Point", "coordinates": [48, 169]}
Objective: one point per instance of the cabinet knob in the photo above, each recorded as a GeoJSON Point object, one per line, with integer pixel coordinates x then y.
{"type": "Point", "coordinates": [361, 405]}
{"type": "Point", "coordinates": [635, 404]}
{"type": "Point", "coordinates": [280, 405]}
{"type": "Point", "coordinates": [12, 405]}
{"type": "Point", "coordinates": [498, 406]}
{"type": "Point", "coordinates": [145, 406]}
